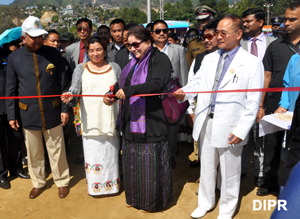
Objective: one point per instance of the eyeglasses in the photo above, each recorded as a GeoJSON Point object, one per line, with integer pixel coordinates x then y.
{"type": "Point", "coordinates": [135, 44]}
{"type": "Point", "coordinates": [158, 31]}
{"type": "Point", "coordinates": [223, 33]}
{"type": "Point", "coordinates": [79, 29]}
{"type": "Point", "coordinates": [208, 36]}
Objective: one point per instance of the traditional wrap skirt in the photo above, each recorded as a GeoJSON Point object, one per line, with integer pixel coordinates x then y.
{"type": "Point", "coordinates": [147, 174]}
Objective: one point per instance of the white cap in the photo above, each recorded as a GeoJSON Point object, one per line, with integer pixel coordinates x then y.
{"type": "Point", "coordinates": [33, 27]}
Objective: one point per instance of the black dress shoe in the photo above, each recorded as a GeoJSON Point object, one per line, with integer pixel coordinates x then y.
{"type": "Point", "coordinates": [4, 184]}
{"type": "Point", "coordinates": [23, 175]}
{"type": "Point", "coordinates": [266, 190]}
{"type": "Point", "coordinates": [243, 175]}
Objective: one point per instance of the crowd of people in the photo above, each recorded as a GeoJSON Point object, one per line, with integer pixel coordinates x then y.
{"type": "Point", "coordinates": [123, 62]}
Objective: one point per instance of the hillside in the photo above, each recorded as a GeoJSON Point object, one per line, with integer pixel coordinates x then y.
{"type": "Point", "coordinates": [47, 17]}
{"type": "Point", "coordinates": [114, 3]}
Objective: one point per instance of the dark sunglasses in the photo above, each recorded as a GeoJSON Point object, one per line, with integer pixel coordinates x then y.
{"type": "Point", "coordinates": [135, 44]}
{"type": "Point", "coordinates": [157, 31]}
{"type": "Point", "coordinates": [208, 36]}
{"type": "Point", "coordinates": [79, 29]}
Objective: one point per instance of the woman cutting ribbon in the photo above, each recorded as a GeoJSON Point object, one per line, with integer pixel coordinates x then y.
{"type": "Point", "coordinates": [146, 155]}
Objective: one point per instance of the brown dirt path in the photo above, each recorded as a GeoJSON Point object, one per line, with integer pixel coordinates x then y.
{"type": "Point", "coordinates": [14, 202]}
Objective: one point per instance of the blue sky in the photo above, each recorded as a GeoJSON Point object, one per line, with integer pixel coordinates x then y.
{"type": "Point", "coordinates": [6, 2]}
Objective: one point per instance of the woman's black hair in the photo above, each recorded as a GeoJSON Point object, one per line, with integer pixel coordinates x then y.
{"type": "Point", "coordinates": [96, 39]}
{"type": "Point", "coordinates": [140, 33]}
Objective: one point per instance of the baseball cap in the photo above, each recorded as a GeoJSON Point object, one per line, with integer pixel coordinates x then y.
{"type": "Point", "coordinates": [66, 36]}
{"type": "Point", "coordinates": [33, 27]}
{"type": "Point", "coordinates": [203, 12]}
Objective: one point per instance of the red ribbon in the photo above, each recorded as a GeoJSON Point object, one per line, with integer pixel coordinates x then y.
{"type": "Point", "coordinates": [276, 89]}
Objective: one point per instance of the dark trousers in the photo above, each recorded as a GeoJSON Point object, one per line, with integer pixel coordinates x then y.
{"type": "Point", "coordinates": [10, 149]}
{"type": "Point", "coordinates": [272, 151]}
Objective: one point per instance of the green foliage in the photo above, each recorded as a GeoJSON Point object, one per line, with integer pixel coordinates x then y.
{"type": "Point", "coordinates": [209, 3]}
{"type": "Point", "coordinates": [280, 7]}
{"type": "Point", "coordinates": [61, 30]}
{"type": "Point", "coordinates": [132, 15]}
{"type": "Point", "coordinates": [55, 18]}
{"type": "Point", "coordinates": [179, 11]}
{"type": "Point", "coordinates": [154, 15]}
{"type": "Point", "coordinates": [222, 8]}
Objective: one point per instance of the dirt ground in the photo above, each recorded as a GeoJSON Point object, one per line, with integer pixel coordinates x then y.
{"type": "Point", "coordinates": [15, 202]}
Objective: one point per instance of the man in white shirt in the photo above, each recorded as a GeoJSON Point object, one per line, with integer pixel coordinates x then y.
{"type": "Point", "coordinates": [177, 56]}
{"type": "Point", "coordinates": [256, 43]}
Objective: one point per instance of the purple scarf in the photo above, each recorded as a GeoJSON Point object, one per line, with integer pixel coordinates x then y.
{"type": "Point", "coordinates": [137, 104]}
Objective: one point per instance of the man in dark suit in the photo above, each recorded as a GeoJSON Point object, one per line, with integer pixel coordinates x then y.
{"type": "Point", "coordinates": [10, 155]}
{"type": "Point", "coordinates": [37, 70]}
{"type": "Point", "coordinates": [123, 56]}
{"type": "Point", "coordinates": [177, 56]}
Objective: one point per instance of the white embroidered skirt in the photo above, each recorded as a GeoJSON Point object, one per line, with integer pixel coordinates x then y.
{"type": "Point", "coordinates": [101, 155]}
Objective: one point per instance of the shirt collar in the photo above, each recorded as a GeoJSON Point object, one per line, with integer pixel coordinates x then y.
{"type": "Point", "coordinates": [285, 39]}
{"type": "Point", "coordinates": [164, 49]}
{"type": "Point", "coordinates": [260, 37]}
{"type": "Point", "coordinates": [231, 53]}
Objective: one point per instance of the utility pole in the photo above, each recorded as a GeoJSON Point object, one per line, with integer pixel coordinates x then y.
{"type": "Point", "coordinates": [161, 11]}
{"type": "Point", "coordinates": [268, 16]}
{"type": "Point", "coordinates": [148, 11]}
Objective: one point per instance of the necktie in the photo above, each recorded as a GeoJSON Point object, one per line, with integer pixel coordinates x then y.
{"type": "Point", "coordinates": [218, 78]}
{"type": "Point", "coordinates": [85, 58]}
{"type": "Point", "coordinates": [254, 47]}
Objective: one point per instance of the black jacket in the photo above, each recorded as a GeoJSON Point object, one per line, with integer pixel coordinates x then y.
{"type": "Point", "coordinates": [122, 57]}
{"type": "Point", "coordinates": [159, 73]}
{"type": "Point", "coordinates": [34, 74]}
{"type": "Point", "coordinates": [3, 66]}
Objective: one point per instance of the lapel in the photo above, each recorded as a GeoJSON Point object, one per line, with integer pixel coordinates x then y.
{"type": "Point", "coordinates": [76, 53]}
{"type": "Point", "coordinates": [244, 43]}
{"type": "Point", "coordinates": [234, 68]}
{"type": "Point", "coordinates": [170, 52]}
{"type": "Point", "coordinates": [213, 64]}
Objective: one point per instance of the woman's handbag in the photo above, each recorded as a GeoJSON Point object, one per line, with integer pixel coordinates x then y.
{"type": "Point", "coordinates": [172, 109]}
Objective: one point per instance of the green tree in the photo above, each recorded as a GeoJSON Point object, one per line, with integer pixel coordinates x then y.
{"type": "Point", "coordinates": [61, 30]}
{"type": "Point", "coordinates": [55, 18]}
{"type": "Point", "coordinates": [209, 3]}
{"type": "Point", "coordinates": [222, 8]}
{"type": "Point", "coordinates": [241, 6]}
{"type": "Point", "coordinates": [280, 7]}
{"type": "Point", "coordinates": [154, 15]}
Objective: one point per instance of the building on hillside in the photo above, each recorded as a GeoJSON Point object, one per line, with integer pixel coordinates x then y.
{"type": "Point", "coordinates": [31, 7]}
{"type": "Point", "coordinates": [69, 7]}
{"type": "Point", "coordinates": [95, 20]}
{"type": "Point", "coordinates": [66, 12]}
